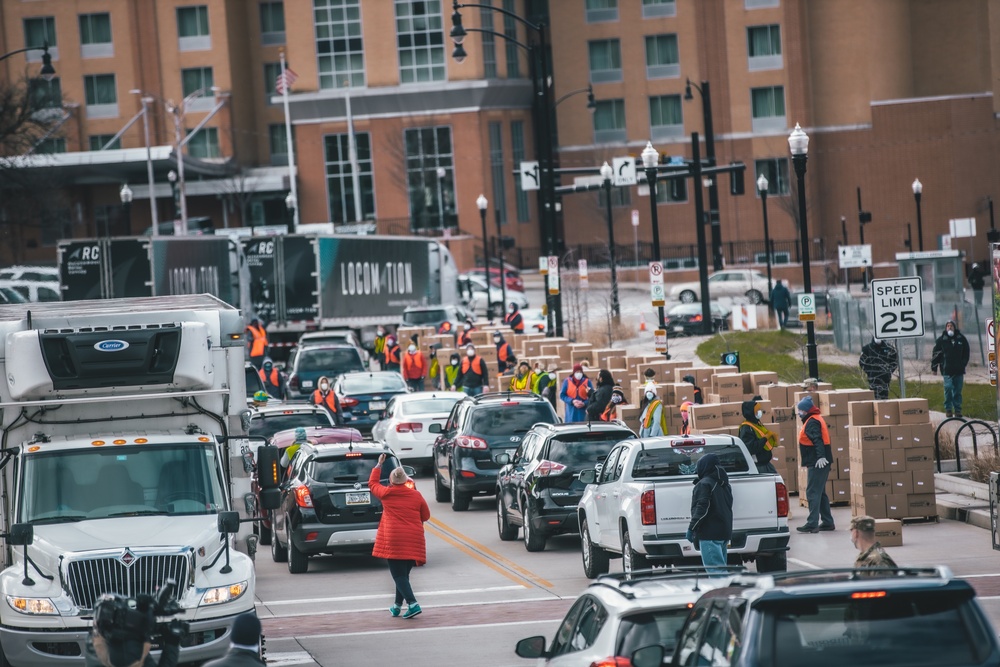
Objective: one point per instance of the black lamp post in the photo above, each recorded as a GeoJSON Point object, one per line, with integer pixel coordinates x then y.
{"type": "Point", "coordinates": [713, 190]}
{"type": "Point", "coordinates": [762, 189]}
{"type": "Point", "coordinates": [503, 272]}
{"type": "Point", "coordinates": [48, 72]}
{"type": "Point", "coordinates": [607, 173]}
{"type": "Point", "coordinates": [798, 144]}
{"type": "Point", "coordinates": [650, 161]}
{"type": "Point", "coordinates": [482, 203]}
{"type": "Point", "coordinates": [126, 196]}
{"type": "Point", "coordinates": [918, 190]}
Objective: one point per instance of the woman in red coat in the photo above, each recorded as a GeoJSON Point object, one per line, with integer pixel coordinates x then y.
{"type": "Point", "coordinates": [400, 538]}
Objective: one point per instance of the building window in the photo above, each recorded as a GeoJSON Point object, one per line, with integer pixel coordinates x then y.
{"type": "Point", "coordinates": [671, 191]}
{"type": "Point", "coordinates": [51, 145]}
{"type": "Point", "coordinates": [56, 225]}
{"type": "Point", "coordinates": [764, 47]}
{"type": "Point", "coordinates": [496, 167]}
{"type": "Point", "coordinates": [510, 30]}
{"type": "Point", "coordinates": [520, 196]}
{"type": "Point", "coordinates": [340, 185]}
{"type": "Point", "coordinates": [768, 109]}
{"type": "Point", "coordinates": [776, 171]}
{"type": "Point", "coordinates": [198, 79]}
{"type": "Point", "coordinates": [760, 4]}
{"type": "Point", "coordinates": [99, 141]}
{"type": "Point", "coordinates": [609, 122]}
{"type": "Point", "coordinates": [205, 144]}
{"type": "Point", "coordinates": [432, 199]}
{"type": "Point", "coordinates": [489, 43]}
{"type": "Point", "coordinates": [666, 118]}
{"type": "Point", "coordinates": [339, 45]}
{"type": "Point", "coordinates": [101, 95]}
{"type": "Point", "coordinates": [278, 144]}
{"type": "Point", "coordinates": [272, 23]}
{"type": "Point", "coordinates": [605, 61]}
{"type": "Point", "coordinates": [271, 72]}
{"type": "Point", "coordinates": [652, 9]}
{"type": "Point", "coordinates": [95, 36]}
{"type": "Point", "coordinates": [192, 28]}
{"type": "Point", "coordinates": [38, 32]}
{"type": "Point", "coordinates": [602, 10]}
{"type": "Point", "coordinates": [420, 41]}
{"type": "Point", "coordinates": [45, 94]}
{"type": "Point", "coordinates": [661, 57]}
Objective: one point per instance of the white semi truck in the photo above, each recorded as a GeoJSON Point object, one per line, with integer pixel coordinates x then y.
{"type": "Point", "coordinates": [117, 420]}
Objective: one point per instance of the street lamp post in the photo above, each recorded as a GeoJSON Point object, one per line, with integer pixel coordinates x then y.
{"type": "Point", "coordinates": [762, 189]}
{"type": "Point", "coordinates": [503, 272]}
{"type": "Point", "coordinates": [798, 144]}
{"type": "Point", "coordinates": [146, 101]}
{"type": "Point", "coordinates": [441, 173]}
{"type": "Point", "coordinates": [650, 161]}
{"type": "Point", "coordinates": [172, 177]}
{"type": "Point", "coordinates": [481, 204]}
{"type": "Point", "coordinates": [126, 196]}
{"type": "Point", "coordinates": [179, 111]}
{"type": "Point", "coordinates": [713, 191]}
{"type": "Point", "coordinates": [48, 72]}
{"type": "Point", "coordinates": [607, 173]}
{"type": "Point", "coordinates": [292, 204]}
{"type": "Point", "coordinates": [918, 190]}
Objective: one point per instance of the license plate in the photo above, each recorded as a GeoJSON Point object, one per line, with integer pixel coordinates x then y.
{"type": "Point", "coordinates": [362, 498]}
{"type": "Point", "coordinates": [678, 329]}
{"type": "Point", "coordinates": [307, 383]}
{"type": "Point", "coordinates": [376, 405]}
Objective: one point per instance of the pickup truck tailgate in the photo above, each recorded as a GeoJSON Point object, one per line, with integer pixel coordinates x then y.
{"type": "Point", "coordinates": [755, 504]}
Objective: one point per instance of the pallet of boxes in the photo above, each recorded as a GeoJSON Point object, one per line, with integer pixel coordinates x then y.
{"type": "Point", "coordinates": [892, 463]}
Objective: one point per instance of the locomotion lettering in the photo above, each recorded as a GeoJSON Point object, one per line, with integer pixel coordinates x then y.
{"type": "Point", "coordinates": [368, 278]}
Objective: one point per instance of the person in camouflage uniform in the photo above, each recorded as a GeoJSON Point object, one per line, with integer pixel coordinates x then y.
{"type": "Point", "coordinates": [871, 552]}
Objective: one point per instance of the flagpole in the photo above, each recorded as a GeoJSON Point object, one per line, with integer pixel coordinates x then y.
{"type": "Point", "coordinates": [291, 148]}
{"type": "Point", "coordinates": [352, 156]}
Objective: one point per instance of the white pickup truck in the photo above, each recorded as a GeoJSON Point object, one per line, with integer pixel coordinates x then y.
{"type": "Point", "coordinates": [638, 505]}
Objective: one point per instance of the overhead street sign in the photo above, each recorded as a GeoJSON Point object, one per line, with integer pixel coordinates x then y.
{"type": "Point", "coordinates": [898, 306]}
{"type": "Point", "coordinates": [624, 171]}
{"type": "Point", "coordinates": [855, 256]}
{"type": "Point", "coordinates": [530, 178]}
{"type": "Point", "coordinates": [807, 307]}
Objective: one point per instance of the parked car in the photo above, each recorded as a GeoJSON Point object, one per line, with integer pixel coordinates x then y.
{"type": "Point", "coordinates": [334, 336]}
{"type": "Point", "coordinates": [617, 616]}
{"type": "Point", "coordinates": [435, 316]}
{"type": "Point", "coordinates": [364, 396]}
{"type": "Point", "coordinates": [326, 506]}
{"type": "Point", "coordinates": [411, 423]}
{"type": "Point", "coordinates": [538, 487]}
{"type": "Point", "coordinates": [686, 319]}
{"type": "Point", "coordinates": [270, 419]}
{"type": "Point", "coordinates": [513, 277]}
{"type": "Point", "coordinates": [34, 291]}
{"type": "Point", "coordinates": [863, 618]}
{"type": "Point", "coordinates": [38, 274]}
{"type": "Point", "coordinates": [11, 295]}
{"type": "Point", "coordinates": [480, 429]}
{"type": "Point", "coordinates": [311, 363]}
{"type": "Point", "coordinates": [282, 439]}
{"type": "Point", "coordinates": [489, 301]}
{"type": "Point", "coordinates": [749, 284]}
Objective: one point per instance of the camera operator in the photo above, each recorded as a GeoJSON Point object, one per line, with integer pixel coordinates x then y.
{"type": "Point", "coordinates": [123, 634]}
{"type": "Point", "coordinates": [244, 647]}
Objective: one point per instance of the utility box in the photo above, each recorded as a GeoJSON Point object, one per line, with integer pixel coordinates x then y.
{"type": "Point", "coordinates": [941, 270]}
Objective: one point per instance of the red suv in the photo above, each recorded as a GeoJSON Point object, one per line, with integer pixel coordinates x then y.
{"type": "Point", "coordinates": [514, 280]}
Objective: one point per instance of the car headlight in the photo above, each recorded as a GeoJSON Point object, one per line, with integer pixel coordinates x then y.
{"type": "Point", "coordinates": [32, 605]}
{"type": "Point", "coordinates": [224, 593]}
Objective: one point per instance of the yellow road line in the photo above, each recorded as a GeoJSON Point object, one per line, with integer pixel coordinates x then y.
{"type": "Point", "coordinates": [486, 555]}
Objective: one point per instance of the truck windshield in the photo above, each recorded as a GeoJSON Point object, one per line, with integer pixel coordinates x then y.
{"type": "Point", "coordinates": [678, 461]}
{"type": "Point", "coordinates": [422, 317]}
{"type": "Point", "coordinates": [74, 485]}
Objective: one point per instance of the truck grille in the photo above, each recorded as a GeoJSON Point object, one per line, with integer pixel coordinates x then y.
{"type": "Point", "coordinates": [127, 574]}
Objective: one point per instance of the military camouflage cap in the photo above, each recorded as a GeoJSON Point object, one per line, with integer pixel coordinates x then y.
{"type": "Point", "coordinates": [864, 523]}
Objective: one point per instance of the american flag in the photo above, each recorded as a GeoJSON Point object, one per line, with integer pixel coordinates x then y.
{"type": "Point", "coordinates": [285, 80]}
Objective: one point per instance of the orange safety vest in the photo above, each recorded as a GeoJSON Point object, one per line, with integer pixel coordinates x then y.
{"type": "Point", "coordinates": [609, 412]}
{"type": "Point", "coordinates": [445, 327]}
{"type": "Point", "coordinates": [575, 391]}
{"type": "Point", "coordinates": [804, 439]}
{"type": "Point", "coordinates": [259, 343]}
{"type": "Point", "coordinates": [515, 321]}
{"type": "Point", "coordinates": [466, 363]}
{"type": "Point", "coordinates": [414, 366]}
{"type": "Point", "coordinates": [392, 354]}
{"type": "Point", "coordinates": [330, 400]}
{"type": "Point", "coordinates": [275, 377]}
{"type": "Point", "coordinates": [504, 352]}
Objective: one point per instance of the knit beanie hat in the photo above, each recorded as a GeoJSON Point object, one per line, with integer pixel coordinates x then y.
{"type": "Point", "coordinates": [805, 405]}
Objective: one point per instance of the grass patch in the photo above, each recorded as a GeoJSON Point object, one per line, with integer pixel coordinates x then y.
{"type": "Point", "coordinates": [783, 352]}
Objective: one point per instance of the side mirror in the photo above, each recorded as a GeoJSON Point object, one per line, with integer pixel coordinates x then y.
{"type": "Point", "coordinates": [435, 428]}
{"type": "Point", "coordinates": [229, 522]}
{"type": "Point", "coordinates": [532, 647]}
{"type": "Point", "coordinates": [268, 467]}
{"type": "Point", "coordinates": [270, 499]}
{"type": "Point", "coordinates": [410, 471]}
{"type": "Point", "coordinates": [648, 656]}
{"type": "Point", "coordinates": [588, 476]}
{"type": "Point", "coordinates": [503, 459]}
{"type": "Point", "coordinates": [21, 534]}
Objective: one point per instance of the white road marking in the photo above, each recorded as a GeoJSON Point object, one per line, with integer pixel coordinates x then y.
{"type": "Point", "coordinates": [276, 603]}
{"type": "Point", "coordinates": [443, 628]}
{"type": "Point", "coordinates": [289, 658]}
{"type": "Point", "coordinates": [808, 566]}
{"type": "Point", "coordinates": [385, 608]}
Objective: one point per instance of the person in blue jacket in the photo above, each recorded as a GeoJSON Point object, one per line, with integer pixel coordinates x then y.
{"type": "Point", "coordinates": [575, 393]}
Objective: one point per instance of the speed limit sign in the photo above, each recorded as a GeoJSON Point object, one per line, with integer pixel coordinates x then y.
{"type": "Point", "coordinates": [898, 306]}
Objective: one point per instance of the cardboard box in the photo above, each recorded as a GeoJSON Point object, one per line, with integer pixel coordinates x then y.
{"type": "Point", "coordinates": [919, 458]}
{"type": "Point", "coordinates": [732, 414]}
{"type": "Point", "coordinates": [921, 504]}
{"type": "Point", "coordinates": [921, 435]}
{"type": "Point", "coordinates": [833, 402]}
{"type": "Point", "coordinates": [865, 461]}
{"type": "Point", "coordinates": [759, 380]}
{"type": "Point", "coordinates": [843, 468]}
{"type": "Point", "coordinates": [913, 411]}
{"type": "Point", "coordinates": [841, 491]}
{"type": "Point", "coordinates": [781, 415]}
{"type": "Point", "coordinates": [893, 460]}
{"type": "Point", "coordinates": [871, 483]}
{"type": "Point", "coordinates": [870, 437]}
{"type": "Point", "coordinates": [923, 481]}
{"type": "Point", "coordinates": [723, 381]}
{"type": "Point", "coordinates": [859, 395]}
{"type": "Point", "coordinates": [889, 532]}
{"type": "Point", "coordinates": [902, 482]}
{"type": "Point", "coordinates": [872, 505]}
{"type": "Point", "coordinates": [886, 413]}
{"type": "Point", "coordinates": [895, 506]}
{"type": "Point", "coordinates": [899, 436]}
{"type": "Point", "coordinates": [779, 394]}
{"type": "Point", "coordinates": [861, 413]}
{"type": "Point", "coordinates": [705, 416]}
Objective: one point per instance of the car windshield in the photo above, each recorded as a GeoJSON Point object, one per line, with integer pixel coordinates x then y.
{"type": "Point", "coordinates": [916, 628]}
{"type": "Point", "coordinates": [419, 317]}
{"type": "Point", "coordinates": [683, 460]}
{"type": "Point", "coordinates": [12, 296]}
{"type": "Point", "coordinates": [332, 361]}
{"type": "Point", "coordinates": [372, 383]}
{"type": "Point", "coordinates": [268, 425]}
{"type": "Point", "coordinates": [325, 339]}
{"type": "Point", "coordinates": [660, 626]}
{"type": "Point", "coordinates": [348, 468]}
{"type": "Point", "coordinates": [510, 418]}
{"type": "Point", "coordinates": [73, 485]}
{"type": "Point", "coordinates": [429, 405]}
{"type": "Point", "coordinates": [584, 449]}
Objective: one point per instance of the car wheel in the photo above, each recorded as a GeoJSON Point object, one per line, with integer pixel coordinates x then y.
{"type": "Point", "coordinates": [298, 562]}
{"type": "Point", "coordinates": [533, 539]}
{"type": "Point", "coordinates": [632, 561]}
{"type": "Point", "coordinates": [755, 297]}
{"type": "Point", "coordinates": [279, 554]}
{"type": "Point", "coordinates": [440, 491]}
{"type": "Point", "coordinates": [773, 562]}
{"type": "Point", "coordinates": [459, 501]}
{"type": "Point", "coordinates": [264, 533]}
{"type": "Point", "coordinates": [687, 296]}
{"type": "Point", "coordinates": [508, 533]}
{"type": "Point", "coordinates": [595, 559]}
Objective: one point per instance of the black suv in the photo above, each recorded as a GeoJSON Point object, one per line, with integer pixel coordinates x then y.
{"type": "Point", "coordinates": [827, 618]}
{"type": "Point", "coordinates": [478, 431]}
{"type": "Point", "coordinates": [326, 506]}
{"type": "Point", "coordinates": [539, 487]}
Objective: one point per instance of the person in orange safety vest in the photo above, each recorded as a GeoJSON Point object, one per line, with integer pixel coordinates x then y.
{"type": "Point", "coordinates": [256, 337]}
{"type": "Point", "coordinates": [273, 379]}
{"type": "Point", "coordinates": [513, 319]}
{"type": "Point", "coordinates": [617, 398]}
{"type": "Point", "coordinates": [390, 356]}
{"type": "Point", "coordinates": [465, 335]}
{"type": "Point", "coordinates": [326, 397]}
{"type": "Point", "coordinates": [505, 354]}
{"type": "Point", "coordinates": [575, 391]}
{"type": "Point", "coordinates": [414, 366]}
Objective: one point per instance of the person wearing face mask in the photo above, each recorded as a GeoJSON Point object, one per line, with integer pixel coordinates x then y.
{"type": "Point", "coordinates": [523, 379]}
{"type": "Point", "coordinates": [574, 393]}
{"type": "Point", "coordinates": [951, 355]}
{"type": "Point", "coordinates": [473, 379]}
{"type": "Point", "coordinates": [513, 319]}
{"type": "Point", "coordinates": [698, 398]}
{"type": "Point", "coordinates": [545, 383]}
{"type": "Point", "coordinates": [758, 439]}
{"type": "Point", "coordinates": [452, 371]}
{"type": "Point", "coordinates": [327, 398]}
{"type": "Point", "coordinates": [378, 347]}
{"type": "Point", "coordinates": [465, 336]}
{"type": "Point", "coordinates": [390, 356]}
{"type": "Point", "coordinates": [414, 366]}
{"type": "Point", "coordinates": [653, 420]}
{"type": "Point", "coordinates": [505, 354]}
{"type": "Point", "coordinates": [273, 379]}
{"type": "Point", "coordinates": [434, 367]}
{"type": "Point", "coordinates": [611, 411]}
{"type": "Point", "coordinates": [878, 362]}
{"type": "Point", "coordinates": [686, 417]}
{"type": "Point", "coordinates": [815, 455]}
{"type": "Point", "coordinates": [601, 397]}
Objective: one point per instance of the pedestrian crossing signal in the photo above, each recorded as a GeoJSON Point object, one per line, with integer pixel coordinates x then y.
{"type": "Point", "coordinates": [730, 359]}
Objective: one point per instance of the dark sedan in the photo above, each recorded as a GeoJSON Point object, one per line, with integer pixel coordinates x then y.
{"type": "Point", "coordinates": [363, 397]}
{"type": "Point", "coordinates": [686, 319]}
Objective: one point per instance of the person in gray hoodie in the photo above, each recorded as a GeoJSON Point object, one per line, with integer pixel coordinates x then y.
{"type": "Point", "coordinates": [711, 525]}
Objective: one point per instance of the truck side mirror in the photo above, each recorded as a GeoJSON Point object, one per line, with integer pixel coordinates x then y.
{"type": "Point", "coordinates": [270, 499]}
{"type": "Point", "coordinates": [268, 467]}
{"type": "Point", "coordinates": [588, 476]}
{"type": "Point", "coordinates": [229, 522]}
{"type": "Point", "coordinates": [21, 534]}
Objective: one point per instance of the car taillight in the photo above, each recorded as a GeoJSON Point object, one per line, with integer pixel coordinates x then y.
{"type": "Point", "coordinates": [348, 402]}
{"type": "Point", "coordinates": [696, 318]}
{"type": "Point", "coordinates": [469, 442]}
{"type": "Point", "coordinates": [781, 493]}
{"type": "Point", "coordinates": [409, 427]}
{"type": "Point", "coordinates": [293, 382]}
{"type": "Point", "coordinates": [612, 661]}
{"type": "Point", "coordinates": [302, 496]}
{"type": "Point", "coordinates": [647, 505]}
{"type": "Point", "coordinates": [546, 468]}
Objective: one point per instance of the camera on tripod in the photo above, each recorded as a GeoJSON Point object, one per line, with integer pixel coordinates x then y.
{"type": "Point", "coordinates": [126, 628]}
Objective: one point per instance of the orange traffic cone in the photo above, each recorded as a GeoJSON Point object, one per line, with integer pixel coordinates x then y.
{"type": "Point", "coordinates": [642, 323]}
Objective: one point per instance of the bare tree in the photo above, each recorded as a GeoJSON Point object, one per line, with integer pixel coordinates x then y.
{"type": "Point", "coordinates": [238, 191]}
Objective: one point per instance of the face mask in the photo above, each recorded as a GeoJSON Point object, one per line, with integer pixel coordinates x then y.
{"type": "Point", "coordinates": [454, 362]}
{"type": "Point", "coordinates": [578, 376]}
{"type": "Point", "coordinates": [411, 349]}
{"type": "Point", "coordinates": [950, 333]}
{"type": "Point", "coordinates": [467, 327]}
{"type": "Point", "coordinates": [511, 309]}
{"type": "Point", "coordinates": [650, 395]}
{"type": "Point", "coordinates": [616, 399]}
{"type": "Point", "coordinates": [520, 374]}
{"type": "Point", "coordinates": [381, 332]}
{"type": "Point", "coordinates": [760, 413]}
{"type": "Point", "coordinates": [324, 386]}
{"type": "Point", "coordinates": [470, 353]}
{"type": "Point", "coordinates": [802, 415]}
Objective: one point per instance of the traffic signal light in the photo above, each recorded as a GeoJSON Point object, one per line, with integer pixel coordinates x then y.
{"type": "Point", "coordinates": [730, 359]}
{"type": "Point", "coordinates": [736, 181]}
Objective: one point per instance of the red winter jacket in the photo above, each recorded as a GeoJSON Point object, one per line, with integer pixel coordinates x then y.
{"type": "Point", "coordinates": [401, 530]}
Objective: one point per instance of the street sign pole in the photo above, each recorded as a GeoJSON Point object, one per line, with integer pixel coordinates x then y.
{"type": "Point", "coordinates": [902, 373]}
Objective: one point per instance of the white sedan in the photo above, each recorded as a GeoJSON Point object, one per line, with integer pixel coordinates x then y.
{"type": "Point", "coordinates": [412, 422]}
{"type": "Point", "coordinates": [741, 283]}
{"type": "Point", "coordinates": [491, 305]}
